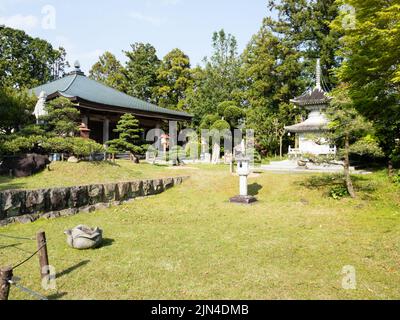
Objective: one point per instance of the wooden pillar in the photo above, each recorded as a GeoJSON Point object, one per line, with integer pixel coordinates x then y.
{"type": "Point", "coordinates": [6, 275]}
{"type": "Point", "coordinates": [106, 130]}
{"type": "Point", "coordinates": [43, 256]}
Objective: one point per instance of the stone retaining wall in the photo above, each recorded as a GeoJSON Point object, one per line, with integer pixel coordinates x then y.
{"type": "Point", "coordinates": [29, 205]}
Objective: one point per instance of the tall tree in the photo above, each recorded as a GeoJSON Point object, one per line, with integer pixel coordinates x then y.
{"type": "Point", "coordinates": [175, 78]}
{"type": "Point", "coordinates": [371, 49]}
{"type": "Point", "coordinates": [270, 76]}
{"type": "Point", "coordinates": [351, 131]}
{"type": "Point", "coordinates": [109, 71]}
{"type": "Point", "coordinates": [304, 25]}
{"type": "Point", "coordinates": [218, 80]}
{"type": "Point", "coordinates": [27, 61]}
{"type": "Point", "coordinates": [141, 71]}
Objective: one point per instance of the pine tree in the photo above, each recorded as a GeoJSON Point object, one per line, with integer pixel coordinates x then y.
{"type": "Point", "coordinates": [62, 117]}
{"type": "Point", "coordinates": [129, 136]}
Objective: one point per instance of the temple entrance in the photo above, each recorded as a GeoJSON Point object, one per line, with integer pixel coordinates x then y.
{"type": "Point", "coordinates": [96, 130]}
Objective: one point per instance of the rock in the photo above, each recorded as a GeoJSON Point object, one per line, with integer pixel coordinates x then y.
{"type": "Point", "coordinates": [158, 186]}
{"type": "Point", "coordinates": [96, 194]}
{"type": "Point", "coordinates": [178, 180]}
{"type": "Point", "coordinates": [136, 189]}
{"type": "Point", "coordinates": [110, 192]}
{"type": "Point", "coordinates": [58, 198]}
{"type": "Point", "coordinates": [12, 203]}
{"type": "Point", "coordinates": [79, 197]}
{"type": "Point", "coordinates": [87, 209]}
{"type": "Point", "coordinates": [168, 183]}
{"type": "Point", "coordinates": [51, 215]}
{"type": "Point", "coordinates": [305, 201]}
{"type": "Point", "coordinates": [37, 201]}
{"type": "Point", "coordinates": [26, 218]}
{"type": "Point", "coordinates": [73, 160]}
{"type": "Point", "coordinates": [148, 187]}
{"type": "Point", "coordinates": [124, 191]}
{"type": "Point", "coordinates": [24, 166]}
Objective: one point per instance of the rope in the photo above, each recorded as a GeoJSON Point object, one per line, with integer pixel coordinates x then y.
{"type": "Point", "coordinates": [17, 238]}
{"type": "Point", "coordinates": [26, 260]}
{"type": "Point", "coordinates": [29, 291]}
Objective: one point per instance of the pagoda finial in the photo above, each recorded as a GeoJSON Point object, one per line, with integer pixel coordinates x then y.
{"type": "Point", "coordinates": [318, 75]}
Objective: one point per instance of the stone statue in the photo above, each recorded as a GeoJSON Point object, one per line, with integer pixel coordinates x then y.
{"type": "Point", "coordinates": [40, 107]}
{"type": "Point", "coordinates": [83, 237]}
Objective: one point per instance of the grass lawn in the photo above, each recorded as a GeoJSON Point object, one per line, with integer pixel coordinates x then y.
{"type": "Point", "coordinates": [191, 243]}
{"type": "Point", "coordinates": [65, 174]}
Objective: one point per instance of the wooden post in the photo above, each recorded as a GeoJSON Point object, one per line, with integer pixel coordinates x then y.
{"type": "Point", "coordinates": [6, 275]}
{"type": "Point", "coordinates": [43, 257]}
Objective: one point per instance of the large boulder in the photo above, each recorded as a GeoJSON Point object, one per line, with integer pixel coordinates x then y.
{"type": "Point", "coordinates": [24, 166]}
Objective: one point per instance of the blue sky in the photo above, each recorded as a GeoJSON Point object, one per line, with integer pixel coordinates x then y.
{"type": "Point", "coordinates": [87, 28]}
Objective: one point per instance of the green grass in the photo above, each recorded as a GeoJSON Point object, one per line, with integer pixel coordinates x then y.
{"type": "Point", "coordinates": [65, 174]}
{"type": "Point", "coordinates": [191, 243]}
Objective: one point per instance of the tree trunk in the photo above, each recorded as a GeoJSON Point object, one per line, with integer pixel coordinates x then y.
{"type": "Point", "coordinates": [390, 169]}
{"type": "Point", "coordinates": [349, 183]}
{"type": "Point", "coordinates": [281, 146]}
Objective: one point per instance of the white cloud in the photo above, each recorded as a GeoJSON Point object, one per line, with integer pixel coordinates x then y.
{"type": "Point", "coordinates": [153, 20]}
{"type": "Point", "coordinates": [21, 22]}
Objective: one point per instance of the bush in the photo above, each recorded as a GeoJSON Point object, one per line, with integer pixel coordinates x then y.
{"type": "Point", "coordinates": [396, 178]}
{"type": "Point", "coordinates": [84, 147]}
{"type": "Point", "coordinates": [18, 144]}
{"type": "Point", "coordinates": [339, 192]}
{"type": "Point", "coordinates": [58, 145]}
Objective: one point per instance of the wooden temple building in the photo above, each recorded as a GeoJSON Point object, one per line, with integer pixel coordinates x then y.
{"type": "Point", "coordinates": [101, 106]}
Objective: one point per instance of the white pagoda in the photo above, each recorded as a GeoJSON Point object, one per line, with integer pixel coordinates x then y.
{"type": "Point", "coordinates": [310, 133]}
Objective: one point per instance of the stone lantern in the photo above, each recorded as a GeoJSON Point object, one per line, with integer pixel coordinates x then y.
{"type": "Point", "coordinates": [243, 170]}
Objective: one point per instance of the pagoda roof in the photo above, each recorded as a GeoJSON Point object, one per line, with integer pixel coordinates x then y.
{"type": "Point", "coordinates": [317, 96]}
{"type": "Point", "coordinates": [312, 124]}
{"type": "Point", "coordinates": [77, 86]}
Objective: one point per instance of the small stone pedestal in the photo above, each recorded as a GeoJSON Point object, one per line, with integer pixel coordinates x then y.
{"type": "Point", "coordinates": [243, 199]}
{"type": "Point", "coordinates": [243, 172]}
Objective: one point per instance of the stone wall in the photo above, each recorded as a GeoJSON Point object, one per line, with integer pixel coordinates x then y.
{"type": "Point", "coordinates": [29, 205]}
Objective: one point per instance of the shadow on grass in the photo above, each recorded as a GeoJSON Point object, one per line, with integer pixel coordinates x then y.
{"type": "Point", "coordinates": [9, 183]}
{"type": "Point", "coordinates": [254, 188]}
{"type": "Point", "coordinates": [72, 268]}
{"type": "Point", "coordinates": [107, 243]}
{"type": "Point", "coordinates": [57, 296]}
{"type": "Point", "coordinates": [361, 183]}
